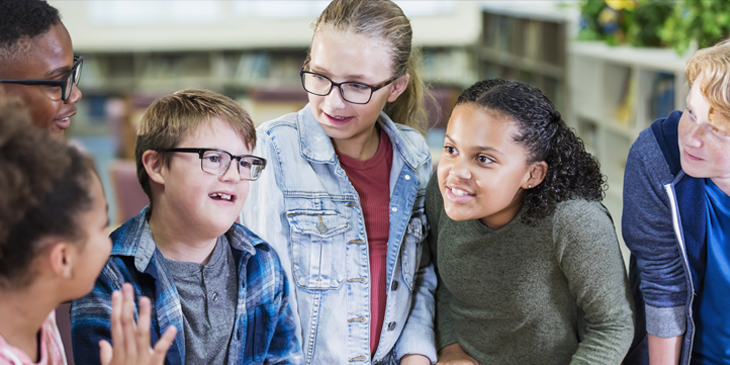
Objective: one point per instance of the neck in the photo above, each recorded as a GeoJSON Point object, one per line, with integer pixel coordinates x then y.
{"type": "Point", "coordinates": [723, 184]}
{"type": "Point", "coordinates": [22, 313]}
{"type": "Point", "coordinates": [361, 147]}
{"type": "Point", "coordinates": [177, 244]}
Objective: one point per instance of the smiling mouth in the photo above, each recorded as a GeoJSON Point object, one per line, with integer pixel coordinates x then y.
{"type": "Point", "coordinates": [222, 196]}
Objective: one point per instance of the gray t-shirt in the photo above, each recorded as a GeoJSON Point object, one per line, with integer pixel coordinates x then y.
{"type": "Point", "coordinates": [208, 295]}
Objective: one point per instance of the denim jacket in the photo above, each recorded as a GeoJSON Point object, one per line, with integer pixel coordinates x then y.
{"type": "Point", "coordinates": [306, 208]}
{"type": "Point", "coordinates": [664, 226]}
{"type": "Point", "coordinates": [263, 331]}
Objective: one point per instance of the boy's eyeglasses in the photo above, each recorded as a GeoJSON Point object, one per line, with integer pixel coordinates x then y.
{"type": "Point", "coordinates": [65, 84]}
{"type": "Point", "coordinates": [215, 162]}
{"type": "Point", "coordinates": [351, 91]}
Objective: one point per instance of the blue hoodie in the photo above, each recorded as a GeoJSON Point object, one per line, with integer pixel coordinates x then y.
{"type": "Point", "coordinates": [664, 226]}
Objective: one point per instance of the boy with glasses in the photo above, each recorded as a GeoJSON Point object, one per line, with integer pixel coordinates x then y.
{"type": "Point", "coordinates": [218, 283]}
{"type": "Point", "coordinates": [37, 62]}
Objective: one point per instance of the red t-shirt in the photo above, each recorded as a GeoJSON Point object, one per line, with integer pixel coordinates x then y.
{"type": "Point", "coordinates": [371, 179]}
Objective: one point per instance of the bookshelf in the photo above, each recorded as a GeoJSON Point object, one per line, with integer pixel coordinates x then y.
{"type": "Point", "coordinates": [526, 44]}
{"type": "Point", "coordinates": [615, 93]}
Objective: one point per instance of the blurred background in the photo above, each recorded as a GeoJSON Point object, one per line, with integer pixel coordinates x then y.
{"type": "Point", "coordinates": [611, 67]}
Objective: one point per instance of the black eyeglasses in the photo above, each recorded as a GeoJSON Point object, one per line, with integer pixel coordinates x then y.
{"type": "Point", "coordinates": [66, 83]}
{"type": "Point", "coordinates": [216, 162]}
{"type": "Point", "coordinates": [351, 91]}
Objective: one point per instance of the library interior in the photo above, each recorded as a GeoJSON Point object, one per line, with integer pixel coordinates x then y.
{"type": "Point", "coordinates": [606, 88]}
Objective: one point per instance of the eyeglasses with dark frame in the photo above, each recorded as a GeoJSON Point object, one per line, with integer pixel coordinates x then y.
{"type": "Point", "coordinates": [216, 162]}
{"type": "Point", "coordinates": [351, 91]}
{"type": "Point", "coordinates": [66, 83]}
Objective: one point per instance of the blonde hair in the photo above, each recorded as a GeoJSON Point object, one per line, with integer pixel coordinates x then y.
{"type": "Point", "coordinates": [713, 63]}
{"type": "Point", "coordinates": [385, 20]}
{"type": "Point", "coordinates": [172, 117]}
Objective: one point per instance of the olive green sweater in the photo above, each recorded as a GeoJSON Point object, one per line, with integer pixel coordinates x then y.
{"type": "Point", "coordinates": [556, 293]}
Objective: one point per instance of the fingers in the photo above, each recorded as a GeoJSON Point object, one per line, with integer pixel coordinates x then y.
{"type": "Point", "coordinates": [160, 351]}
{"type": "Point", "coordinates": [105, 352]}
{"type": "Point", "coordinates": [117, 328]}
{"type": "Point", "coordinates": [143, 325]}
{"type": "Point", "coordinates": [130, 326]}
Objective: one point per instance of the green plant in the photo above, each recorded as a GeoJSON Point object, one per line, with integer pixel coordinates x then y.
{"type": "Point", "coordinates": [620, 21]}
{"type": "Point", "coordinates": [706, 21]}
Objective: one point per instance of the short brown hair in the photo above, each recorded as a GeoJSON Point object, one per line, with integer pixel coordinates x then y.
{"type": "Point", "coordinates": [172, 117]}
{"type": "Point", "coordinates": [713, 63]}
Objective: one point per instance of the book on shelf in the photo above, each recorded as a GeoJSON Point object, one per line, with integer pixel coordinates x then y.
{"type": "Point", "coordinates": [625, 108]}
{"type": "Point", "coordinates": [661, 102]}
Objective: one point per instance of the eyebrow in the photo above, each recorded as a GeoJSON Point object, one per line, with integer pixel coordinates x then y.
{"type": "Point", "coordinates": [326, 73]}
{"type": "Point", "coordinates": [479, 148]}
{"type": "Point", "coordinates": [59, 71]}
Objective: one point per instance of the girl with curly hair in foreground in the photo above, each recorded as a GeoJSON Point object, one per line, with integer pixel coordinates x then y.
{"type": "Point", "coordinates": [53, 244]}
{"type": "Point", "coordinates": [529, 265]}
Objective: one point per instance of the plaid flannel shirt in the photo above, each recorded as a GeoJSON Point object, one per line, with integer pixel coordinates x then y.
{"type": "Point", "coordinates": [264, 327]}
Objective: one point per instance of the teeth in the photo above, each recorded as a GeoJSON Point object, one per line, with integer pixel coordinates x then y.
{"type": "Point", "coordinates": [459, 192]}
{"type": "Point", "coordinates": [221, 196]}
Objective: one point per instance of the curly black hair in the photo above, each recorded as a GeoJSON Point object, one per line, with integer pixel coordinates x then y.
{"type": "Point", "coordinates": [572, 171]}
{"type": "Point", "coordinates": [43, 190]}
{"type": "Point", "coordinates": [23, 18]}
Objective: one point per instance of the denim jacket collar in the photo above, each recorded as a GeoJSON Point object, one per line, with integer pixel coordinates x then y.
{"type": "Point", "coordinates": [316, 146]}
{"type": "Point", "coordinates": [134, 243]}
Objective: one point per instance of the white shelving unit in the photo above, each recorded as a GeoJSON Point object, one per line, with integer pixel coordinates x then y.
{"type": "Point", "coordinates": [615, 93]}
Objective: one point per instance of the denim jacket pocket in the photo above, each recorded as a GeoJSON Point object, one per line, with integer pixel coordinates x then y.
{"type": "Point", "coordinates": [318, 248]}
{"type": "Point", "coordinates": [413, 247]}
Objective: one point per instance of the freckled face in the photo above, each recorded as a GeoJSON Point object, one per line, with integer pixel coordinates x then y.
{"type": "Point", "coordinates": [482, 170]}
{"type": "Point", "coordinates": [704, 147]}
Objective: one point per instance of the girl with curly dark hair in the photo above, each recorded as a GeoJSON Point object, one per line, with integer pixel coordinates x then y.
{"type": "Point", "coordinates": [529, 266]}
{"type": "Point", "coordinates": [53, 244]}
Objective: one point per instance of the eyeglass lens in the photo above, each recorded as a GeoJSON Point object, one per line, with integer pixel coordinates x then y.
{"type": "Point", "coordinates": [216, 163]}
{"type": "Point", "coordinates": [353, 92]}
{"type": "Point", "coordinates": [74, 79]}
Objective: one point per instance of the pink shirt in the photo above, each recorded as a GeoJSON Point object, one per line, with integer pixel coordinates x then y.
{"type": "Point", "coordinates": [51, 347]}
{"type": "Point", "coordinates": [371, 179]}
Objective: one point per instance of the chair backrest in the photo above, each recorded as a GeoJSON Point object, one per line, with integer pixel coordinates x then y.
{"type": "Point", "coordinates": [130, 197]}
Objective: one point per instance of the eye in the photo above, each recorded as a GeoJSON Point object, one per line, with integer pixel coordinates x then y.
{"type": "Point", "coordinates": [245, 164]}
{"type": "Point", "coordinates": [358, 87]}
{"type": "Point", "coordinates": [484, 159]}
{"type": "Point", "coordinates": [211, 157]}
{"type": "Point", "coordinates": [319, 77]}
{"type": "Point", "coordinates": [451, 150]}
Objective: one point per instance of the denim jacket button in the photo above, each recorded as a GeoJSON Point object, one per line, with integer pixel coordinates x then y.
{"type": "Point", "coordinates": [394, 286]}
{"type": "Point", "coordinates": [391, 326]}
{"type": "Point", "coordinates": [408, 177]}
{"type": "Point", "coordinates": [395, 209]}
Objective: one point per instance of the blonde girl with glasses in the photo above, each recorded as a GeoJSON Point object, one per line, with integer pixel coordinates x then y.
{"type": "Point", "coordinates": [343, 199]}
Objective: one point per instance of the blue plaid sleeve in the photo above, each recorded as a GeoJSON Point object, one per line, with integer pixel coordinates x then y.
{"type": "Point", "coordinates": [270, 327]}
{"type": "Point", "coordinates": [90, 321]}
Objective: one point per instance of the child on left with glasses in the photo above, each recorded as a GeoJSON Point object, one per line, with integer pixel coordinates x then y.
{"type": "Point", "coordinates": [53, 243]}
{"type": "Point", "coordinates": [219, 284]}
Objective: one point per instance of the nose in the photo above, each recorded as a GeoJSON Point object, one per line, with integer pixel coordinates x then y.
{"type": "Point", "coordinates": [460, 169]}
{"type": "Point", "coordinates": [334, 98]}
{"type": "Point", "coordinates": [75, 95]}
{"type": "Point", "coordinates": [695, 134]}
{"type": "Point", "coordinates": [232, 173]}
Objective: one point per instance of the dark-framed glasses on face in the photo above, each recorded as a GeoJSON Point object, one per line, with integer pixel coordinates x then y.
{"type": "Point", "coordinates": [216, 162]}
{"type": "Point", "coordinates": [62, 87]}
{"type": "Point", "coordinates": [351, 91]}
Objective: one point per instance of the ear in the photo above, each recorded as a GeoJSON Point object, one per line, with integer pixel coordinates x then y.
{"type": "Point", "coordinates": [536, 174]}
{"type": "Point", "coordinates": [61, 257]}
{"type": "Point", "coordinates": [399, 86]}
{"type": "Point", "coordinates": [153, 165]}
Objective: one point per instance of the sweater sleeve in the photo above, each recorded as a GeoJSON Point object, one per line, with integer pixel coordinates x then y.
{"type": "Point", "coordinates": [445, 334]}
{"type": "Point", "coordinates": [588, 253]}
{"type": "Point", "coordinates": [649, 234]}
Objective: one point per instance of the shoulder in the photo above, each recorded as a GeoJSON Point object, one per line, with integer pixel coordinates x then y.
{"type": "Point", "coordinates": [580, 217]}
{"type": "Point", "coordinates": [656, 150]}
{"type": "Point", "coordinates": [282, 124]}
